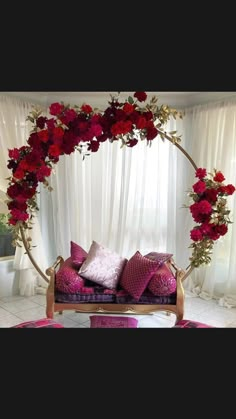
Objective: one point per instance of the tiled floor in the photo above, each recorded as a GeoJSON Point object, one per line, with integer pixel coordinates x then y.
{"type": "Point", "coordinates": [14, 310]}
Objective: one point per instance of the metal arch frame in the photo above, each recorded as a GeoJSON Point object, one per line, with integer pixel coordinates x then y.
{"type": "Point", "coordinates": [27, 247]}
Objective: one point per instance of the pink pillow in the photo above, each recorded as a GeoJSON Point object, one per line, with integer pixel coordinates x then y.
{"type": "Point", "coordinates": [78, 254]}
{"type": "Point", "coordinates": [137, 274]}
{"type": "Point", "coordinates": [160, 257]}
{"type": "Point", "coordinates": [188, 324]}
{"type": "Point", "coordinates": [162, 282]}
{"type": "Point", "coordinates": [112, 322]}
{"type": "Point", "coordinates": [102, 266]}
{"type": "Point", "coordinates": [68, 280]}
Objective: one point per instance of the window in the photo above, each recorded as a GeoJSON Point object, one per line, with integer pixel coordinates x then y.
{"type": "Point", "coordinates": [6, 248]}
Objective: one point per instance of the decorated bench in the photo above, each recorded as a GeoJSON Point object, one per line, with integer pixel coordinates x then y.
{"type": "Point", "coordinates": [101, 281]}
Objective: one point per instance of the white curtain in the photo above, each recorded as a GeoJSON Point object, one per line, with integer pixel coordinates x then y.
{"type": "Point", "coordinates": [132, 199]}
{"type": "Point", "coordinates": [14, 132]}
{"type": "Point", "coordinates": [127, 199]}
{"type": "Point", "coordinates": [210, 138]}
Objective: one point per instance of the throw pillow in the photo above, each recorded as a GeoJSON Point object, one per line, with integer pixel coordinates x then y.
{"type": "Point", "coordinates": [137, 274]}
{"type": "Point", "coordinates": [113, 322]}
{"type": "Point", "coordinates": [163, 282]}
{"type": "Point", "coordinates": [68, 280]}
{"type": "Point", "coordinates": [78, 254]}
{"type": "Point", "coordinates": [102, 266]}
{"type": "Point", "coordinates": [160, 257]}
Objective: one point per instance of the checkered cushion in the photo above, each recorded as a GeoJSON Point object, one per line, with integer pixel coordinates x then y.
{"type": "Point", "coordinates": [187, 324]}
{"type": "Point", "coordinates": [36, 324]}
{"type": "Point", "coordinates": [137, 274]}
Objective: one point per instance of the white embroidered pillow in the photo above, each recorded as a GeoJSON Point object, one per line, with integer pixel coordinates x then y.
{"type": "Point", "coordinates": [102, 266]}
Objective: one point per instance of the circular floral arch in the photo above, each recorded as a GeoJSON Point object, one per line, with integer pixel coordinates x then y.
{"type": "Point", "coordinates": [83, 128]}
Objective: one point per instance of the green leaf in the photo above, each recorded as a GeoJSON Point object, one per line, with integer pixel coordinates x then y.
{"type": "Point", "coordinates": [130, 100]}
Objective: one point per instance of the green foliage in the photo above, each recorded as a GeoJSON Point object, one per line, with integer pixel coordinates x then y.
{"type": "Point", "coordinates": [4, 227]}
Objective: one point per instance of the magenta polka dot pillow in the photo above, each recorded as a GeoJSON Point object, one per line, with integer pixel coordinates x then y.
{"type": "Point", "coordinates": [137, 274]}
{"type": "Point", "coordinates": [78, 254]}
{"type": "Point", "coordinates": [68, 280]}
{"type": "Point", "coordinates": [162, 282]}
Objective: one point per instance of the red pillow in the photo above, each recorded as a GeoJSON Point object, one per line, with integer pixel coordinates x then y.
{"type": "Point", "coordinates": [137, 274]}
{"type": "Point", "coordinates": [78, 254]}
{"type": "Point", "coordinates": [68, 280]}
{"type": "Point", "coordinates": [163, 282]}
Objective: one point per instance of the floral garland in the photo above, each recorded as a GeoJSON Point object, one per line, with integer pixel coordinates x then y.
{"type": "Point", "coordinates": [84, 129]}
{"type": "Point", "coordinates": [210, 212]}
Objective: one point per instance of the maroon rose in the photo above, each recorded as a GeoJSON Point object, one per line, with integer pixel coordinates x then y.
{"type": "Point", "coordinates": [141, 96]}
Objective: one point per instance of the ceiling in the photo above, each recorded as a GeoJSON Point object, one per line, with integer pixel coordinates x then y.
{"type": "Point", "coordinates": [99, 99]}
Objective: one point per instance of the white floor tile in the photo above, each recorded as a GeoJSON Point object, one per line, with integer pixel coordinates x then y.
{"type": "Point", "coordinates": [17, 306]}
{"type": "Point", "coordinates": [3, 313]}
{"type": "Point", "coordinates": [154, 322]}
{"type": "Point", "coordinates": [77, 317]}
{"type": "Point", "coordinates": [9, 321]}
{"type": "Point", "coordinates": [39, 299]}
{"type": "Point", "coordinates": [12, 298]}
{"type": "Point", "coordinates": [66, 322]}
{"type": "Point", "coordinates": [32, 314]}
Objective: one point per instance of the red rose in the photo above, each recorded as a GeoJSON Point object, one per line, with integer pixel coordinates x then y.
{"type": "Point", "coordinates": [213, 235]}
{"type": "Point", "coordinates": [151, 133]}
{"type": "Point", "coordinates": [22, 206]}
{"type": "Point", "coordinates": [204, 207]}
{"type": "Point", "coordinates": [211, 194]}
{"type": "Point", "coordinates": [19, 174]}
{"type": "Point", "coordinates": [43, 171]}
{"type": "Point", "coordinates": [86, 109]}
{"type": "Point", "coordinates": [132, 142]}
{"type": "Point", "coordinates": [18, 215]}
{"type": "Point", "coordinates": [58, 133]}
{"type": "Point", "coordinates": [148, 115]}
{"type": "Point", "coordinates": [50, 123]}
{"type": "Point", "coordinates": [56, 108]}
{"type": "Point", "coordinates": [96, 130]}
{"type": "Point", "coordinates": [199, 187]}
{"type": "Point", "coordinates": [54, 150]}
{"type": "Point", "coordinates": [229, 189]}
{"type": "Point", "coordinates": [221, 229]}
{"type": "Point", "coordinates": [196, 235]}
{"type": "Point", "coordinates": [14, 154]}
{"type": "Point", "coordinates": [40, 123]}
{"type": "Point", "coordinates": [206, 228]}
{"type": "Point", "coordinates": [43, 135]}
{"type": "Point", "coordinates": [70, 115]}
{"type": "Point", "coordinates": [93, 146]}
{"type": "Point", "coordinates": [141, 96]}
{"type": "Point", "coordinates": [219, 177]}
{"type": "Point", "coordinates": [128, 108]}
{"type": "Point", "coordinates": [201, 173]}
{"type": "Point", "coordinates": [141, 123]}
